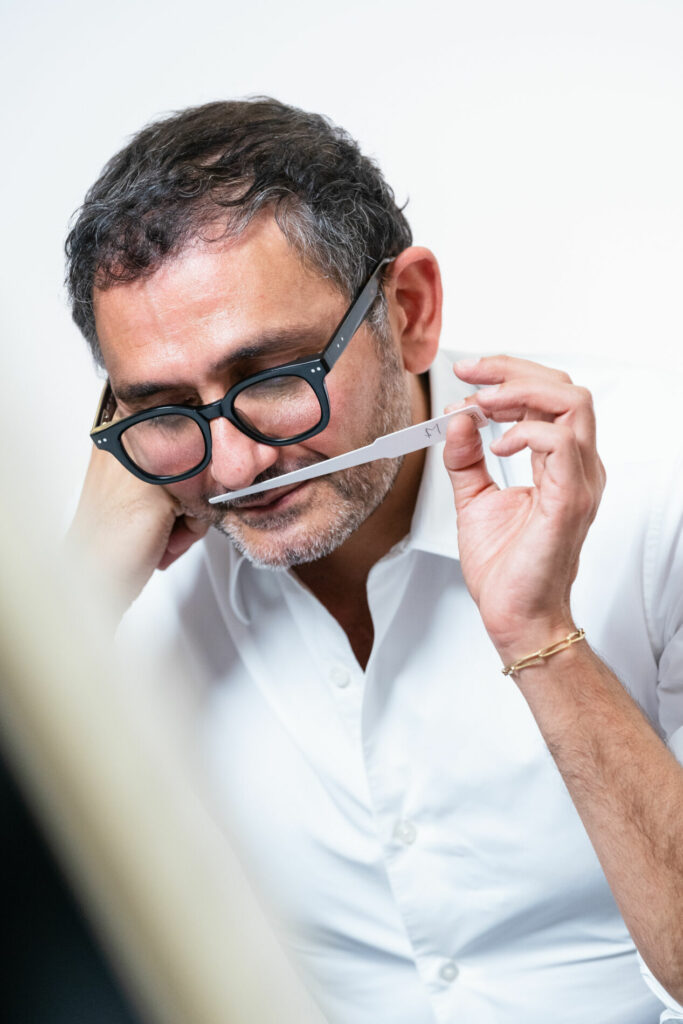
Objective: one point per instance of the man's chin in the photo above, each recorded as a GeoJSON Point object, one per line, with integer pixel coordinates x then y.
{"type": "Point", "coordinates": [285, 539]}
{"type": "Point", "coordinates": [309, 527]}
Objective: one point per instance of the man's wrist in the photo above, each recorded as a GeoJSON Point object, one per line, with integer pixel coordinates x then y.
{"type": "Point", "coordinates": [533, 636]}
{"type": "Point", "coordinates": [540, 656]}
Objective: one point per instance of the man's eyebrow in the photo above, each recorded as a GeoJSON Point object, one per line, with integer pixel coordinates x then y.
{"type": "Point", "coordinates": [281, 341]}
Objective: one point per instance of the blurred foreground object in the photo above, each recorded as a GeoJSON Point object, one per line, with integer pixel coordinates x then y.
{"type": "Point", "coordinates": [113, 789]}
{"type": "Point", "coordinates": [55, 972]}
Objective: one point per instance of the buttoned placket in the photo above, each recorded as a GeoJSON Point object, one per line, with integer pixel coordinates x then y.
{"type": "Point", "coordinates": [349, 685]}
{"type": "Point", "coordinates": [400, 825]}
{"type": "Point", "coordinates": [351, 689]}
{"type": "Point", "coordinates": [331, 653]}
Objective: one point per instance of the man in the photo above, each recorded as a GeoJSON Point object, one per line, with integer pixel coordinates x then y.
{"type": "Point", "coordinates": [392, 792]}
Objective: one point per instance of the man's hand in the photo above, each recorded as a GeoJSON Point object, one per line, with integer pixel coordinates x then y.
{"type": "Point", "coordinates": [519, 547]}
{"type": "Point", "coordinates": [125, 529]}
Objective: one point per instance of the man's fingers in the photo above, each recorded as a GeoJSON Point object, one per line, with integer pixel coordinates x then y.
{"type": "Point", "coordinates": [534, 398]}
{"type": "Point", "coordinates": [464, 459]}
{"type": "Point", "coordinates": [563, 484]}
{"type": "Point", "coordinates": [496, 369]}
{"type": "Point", "coordinates": [539, 396]}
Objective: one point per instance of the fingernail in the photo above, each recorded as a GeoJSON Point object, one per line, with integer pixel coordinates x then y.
{"type": "Point", "coordinates": [465, 365]}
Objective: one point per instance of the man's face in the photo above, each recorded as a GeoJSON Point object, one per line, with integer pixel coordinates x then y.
{"type": "Point", "coordinates": [220, 312]}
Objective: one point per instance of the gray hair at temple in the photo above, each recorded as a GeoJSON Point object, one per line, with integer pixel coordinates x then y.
{"type": "Point", "coordinates": [223, 163]}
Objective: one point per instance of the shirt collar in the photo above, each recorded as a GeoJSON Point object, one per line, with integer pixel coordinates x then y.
{"type": "Point", "coordinates": [224, 563]}
{"type": "Point", "coordinates": [433, 527]}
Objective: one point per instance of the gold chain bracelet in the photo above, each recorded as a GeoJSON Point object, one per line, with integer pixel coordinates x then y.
{"type": "Point", "coordinates": [538, 657]}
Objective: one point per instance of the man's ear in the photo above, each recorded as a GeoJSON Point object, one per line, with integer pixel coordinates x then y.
{"type": "Point", "coordinates": [414, 298]}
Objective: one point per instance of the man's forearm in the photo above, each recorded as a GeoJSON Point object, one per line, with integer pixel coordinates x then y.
{"type": "Point", "coordinates": [628, 790]}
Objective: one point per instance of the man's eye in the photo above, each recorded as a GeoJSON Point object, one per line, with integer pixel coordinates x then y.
{"type": "Point", "coordinates": [272, 388]}
{"type": "Point", "coordinates": [170, 424]}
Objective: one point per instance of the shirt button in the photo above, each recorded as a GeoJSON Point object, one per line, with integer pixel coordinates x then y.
{"type": "Point", "coordinates": [340, 676]}
{"type": "Point", "coordinates": [449, 971]}
{"type": "Point", "coordinates": [405, 832]}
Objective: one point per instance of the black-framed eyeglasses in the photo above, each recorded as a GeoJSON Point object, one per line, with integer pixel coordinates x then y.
{"type": "Point", "coordinates": [283, 405]}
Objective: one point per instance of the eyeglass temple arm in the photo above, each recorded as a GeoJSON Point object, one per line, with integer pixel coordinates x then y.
{"type": "Point", "coordinates": [105, 410]}
{"type": "Point", "coordinates": [354, 318]}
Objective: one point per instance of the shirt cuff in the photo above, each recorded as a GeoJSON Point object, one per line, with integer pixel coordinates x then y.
{"type": "Point", "coordinates": [673, 1010]}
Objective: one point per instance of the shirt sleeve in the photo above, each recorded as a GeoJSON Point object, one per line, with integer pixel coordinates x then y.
{"type": "Point", "coordinates": [663, 591]}
{"type": "Point", "coordinates": [676, 744]}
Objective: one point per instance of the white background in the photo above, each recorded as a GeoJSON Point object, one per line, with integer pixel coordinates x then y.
{"type": "Point", "coordinates": [540, 146]}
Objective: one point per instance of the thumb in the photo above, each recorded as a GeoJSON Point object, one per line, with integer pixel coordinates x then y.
{"type": "Point", "coordinates": [464, 459]}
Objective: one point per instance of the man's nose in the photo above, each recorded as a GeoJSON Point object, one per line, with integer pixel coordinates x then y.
{"type": "Point", "coordinates": [236, 460]}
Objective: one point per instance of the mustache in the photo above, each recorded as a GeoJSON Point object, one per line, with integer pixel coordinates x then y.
{"type": "Point", "coordinates": [279, 469]}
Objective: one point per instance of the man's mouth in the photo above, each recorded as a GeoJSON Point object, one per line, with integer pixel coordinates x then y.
{"type": "Point", "coordinates": [270, 501]}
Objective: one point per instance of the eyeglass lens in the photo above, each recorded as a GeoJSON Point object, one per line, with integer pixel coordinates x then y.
{"type": "Point", "coordinates": [171, 444]}
{"type": "Point", "coordinates": [279, 407]}
{"type": "Point", "coordinates": [165, 445]}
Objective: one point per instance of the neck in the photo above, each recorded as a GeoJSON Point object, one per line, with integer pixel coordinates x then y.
{"type": "Point", "coordinates": [339, 581]}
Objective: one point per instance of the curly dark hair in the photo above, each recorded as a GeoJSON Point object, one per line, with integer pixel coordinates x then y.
{"type": "Point", "coordinates": [225, 162]}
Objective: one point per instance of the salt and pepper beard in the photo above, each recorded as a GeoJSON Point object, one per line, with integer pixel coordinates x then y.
{"type": "Point", "coordinates": [349, 496]}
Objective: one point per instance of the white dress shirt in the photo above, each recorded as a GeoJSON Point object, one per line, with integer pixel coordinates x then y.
{"type": "Point", "coordinates": [407, 823]}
